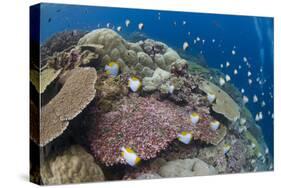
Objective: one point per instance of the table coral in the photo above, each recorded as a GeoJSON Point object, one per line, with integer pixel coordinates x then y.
{"type": "Point", "coordinates": [77, 92]}
{"type": "Point", "coordinates": [74, 165]}
{"type": "Point", "coordinates": [144, 125]}
{"type": "Point", "coordinates": [222, 100]}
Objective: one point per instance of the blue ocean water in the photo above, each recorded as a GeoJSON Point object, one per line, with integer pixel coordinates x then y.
{"type": "Point", "coordinates": [219, 38]}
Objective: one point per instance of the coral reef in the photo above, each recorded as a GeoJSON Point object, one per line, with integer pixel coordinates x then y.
{"type": "Point", "coordinates": [74, 165]}
{"type": "Point", "coordinates": [143, 125]}
{"type": "Point", "coordinates": [154, 82]}
{"type": "Point", "coordinates": [236, 157]}
{"type": "Point", "coordinates": [141, 58]}
{"type": "Point", "coordinates": [214, 155]}
{"type": "Point", "coordinates": [77, 92]}
{"type": "Point", "coordinates": [59, 42]}
{"type": "Point", "coordinates": [107, 112]}
{"type": "Point", "coordinates": [186, 167]}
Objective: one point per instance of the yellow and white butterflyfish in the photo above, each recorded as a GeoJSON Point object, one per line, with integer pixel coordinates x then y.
{"type": "Point", "coordinates": [185, 137]}
{"type": "Point", "coordinates": [226, 148]}
{"type": "Point", "coordinates": [112, 68]}
{"type": "Point", "coordinates": [130, 156]}
{"type": "Point", "coordinates": [214, 125]}
{"type": "Point", "coordinates": [194, 117]}
{"type": "Point", "coordinates": [211, 97]}
{"type": "Point", "coordinates": [134, 84]}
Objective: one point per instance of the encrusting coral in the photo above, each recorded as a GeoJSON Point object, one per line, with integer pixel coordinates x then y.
{"type": "Point", "coordinates": [77, 92]}
{"type": "Point", "coordinates": [74, 165]}
{"type": "Point", "coordinates": [222, 101]}
{"type": "Point", "coordinates": [144, 125]}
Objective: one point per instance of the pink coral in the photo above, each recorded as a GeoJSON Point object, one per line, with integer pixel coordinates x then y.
{"type": "Point", "coordinates": [147, 126]}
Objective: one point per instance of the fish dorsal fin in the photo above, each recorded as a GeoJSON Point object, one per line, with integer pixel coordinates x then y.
{"type": "Point", "coordinates": [112, 63]}
{"type": "Point", "coordinates": [129, 150]}
{"type": "Point", "coordinates": [134, 78]}
{"type": "Point", "coordinates": [184, 133]}
{"type": "Point", "coordinates": [194, 114]}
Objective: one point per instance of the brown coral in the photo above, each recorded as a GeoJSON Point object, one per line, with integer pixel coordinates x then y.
{"type": "Point", "coordinates": [224, 104]}
{"type": "Point", "coordinates": [147, 126]}
{"type": "Point", "coordinates": [77, 92]}
{"type": "Point", "coordinates": [74, 165]}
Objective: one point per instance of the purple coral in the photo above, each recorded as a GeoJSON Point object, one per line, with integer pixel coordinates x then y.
{"type": "Point", "coordinates": [146, 125]}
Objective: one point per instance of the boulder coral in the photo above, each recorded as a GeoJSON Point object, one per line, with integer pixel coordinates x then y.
{"type": "Point", "coordinates": [77, 92]}
{"type": "Point", "coordinates": [142, 58]}
{"type": "Point", "coordinates": [144, 125]}
{"type": "Point", "coordinates": [153, 83]}
{"type": "Point", "coordinates": [186, 168]}
{"type": "Point", "coordinates": [74, 165]}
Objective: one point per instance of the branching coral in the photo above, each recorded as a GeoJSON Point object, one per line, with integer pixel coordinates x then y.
{"type": "Point", "coordinates": [77, 92]}
{"type": "Point", "coordinates": [147, 126]}
{"type": "Point", "coordinates": [74, 165]}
